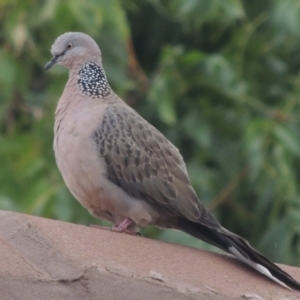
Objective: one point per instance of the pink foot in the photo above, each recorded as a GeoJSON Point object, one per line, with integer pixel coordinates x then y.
{"type": "Point", "coordinates": [123, 227]}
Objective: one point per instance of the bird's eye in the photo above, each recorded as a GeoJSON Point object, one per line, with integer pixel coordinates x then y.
{"type": "Point", "coordinates": [69, 46]}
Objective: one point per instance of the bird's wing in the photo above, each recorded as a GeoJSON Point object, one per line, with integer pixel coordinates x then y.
{"type": "Point", "coordinates": [146, 165]}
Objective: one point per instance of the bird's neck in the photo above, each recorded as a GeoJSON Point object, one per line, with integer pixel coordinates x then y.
{"type": "Point", "coordinates": [92, 81]}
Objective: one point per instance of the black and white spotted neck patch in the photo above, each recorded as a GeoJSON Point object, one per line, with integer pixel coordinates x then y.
{"type": "Point", "coordinates": [93, 82]}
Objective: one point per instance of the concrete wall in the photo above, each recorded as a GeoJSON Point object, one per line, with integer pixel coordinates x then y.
{"type": "Point", "coordinates": [47, 259]}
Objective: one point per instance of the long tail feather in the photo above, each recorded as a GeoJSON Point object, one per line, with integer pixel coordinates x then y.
{"type": "Point", "coordinates": [240, 248]}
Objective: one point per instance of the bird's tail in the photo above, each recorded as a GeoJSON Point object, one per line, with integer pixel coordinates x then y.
{"type": "Point", "coordinates": [240, 248]}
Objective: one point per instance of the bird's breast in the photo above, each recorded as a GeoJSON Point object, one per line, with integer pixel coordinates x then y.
{"type": "Point", "coordinates": [76, 153]}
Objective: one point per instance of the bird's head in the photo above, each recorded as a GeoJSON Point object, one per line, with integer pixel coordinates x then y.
{"type": "Point", "coordinates": [74, 47]}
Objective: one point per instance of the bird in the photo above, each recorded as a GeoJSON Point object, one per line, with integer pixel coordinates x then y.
{"type": "Point", "coordinates": [122, 169]}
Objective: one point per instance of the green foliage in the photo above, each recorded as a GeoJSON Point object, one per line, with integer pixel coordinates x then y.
{"type": "Point", "coordinates": [218, 78]}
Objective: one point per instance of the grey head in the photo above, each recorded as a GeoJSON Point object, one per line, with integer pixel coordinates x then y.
{"type": "Point", "coordinates": [72, 49]}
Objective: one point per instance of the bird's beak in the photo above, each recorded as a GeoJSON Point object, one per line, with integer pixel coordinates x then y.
{"type": "Point", "coordinates": [52, 62]}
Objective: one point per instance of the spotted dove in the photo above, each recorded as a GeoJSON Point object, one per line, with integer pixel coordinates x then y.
{"type": "Point", "coordinates": [124, 170]}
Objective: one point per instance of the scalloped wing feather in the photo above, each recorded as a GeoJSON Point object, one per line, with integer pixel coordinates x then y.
{"type": "Point", "coordinates": [146, 165]}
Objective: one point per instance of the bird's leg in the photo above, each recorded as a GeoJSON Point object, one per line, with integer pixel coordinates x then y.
{"type": "Point", "coordinates": [123, 227]}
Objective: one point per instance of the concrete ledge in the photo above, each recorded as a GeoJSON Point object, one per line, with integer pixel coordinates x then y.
{"type": "Point", "coordinates": [47, 259]}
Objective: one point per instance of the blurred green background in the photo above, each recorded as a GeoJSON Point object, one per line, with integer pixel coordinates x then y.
{"type": "Point", "coordinates": [219, 78]}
